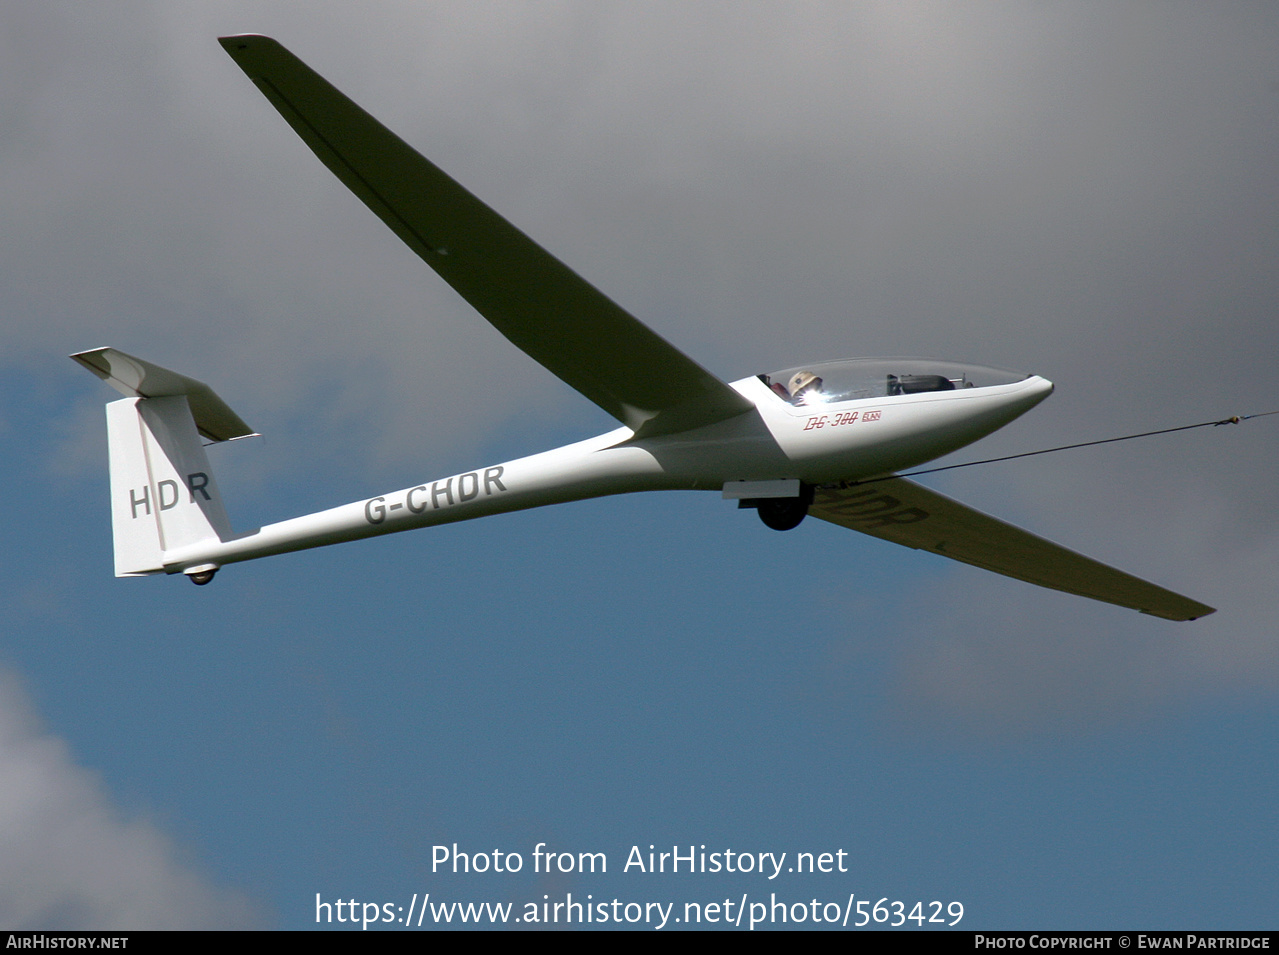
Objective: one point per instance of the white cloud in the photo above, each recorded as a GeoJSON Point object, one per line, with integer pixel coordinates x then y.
{"type": "Point", "coordinates": [69, 859]}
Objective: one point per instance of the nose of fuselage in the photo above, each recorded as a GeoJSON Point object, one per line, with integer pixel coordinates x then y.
{"type": "Point", "coordinates": [1016, 401]}
{"type": "Point", "coordinates": [1029, 393]}
{"type": "Point", "coordinates": [1037, 389]}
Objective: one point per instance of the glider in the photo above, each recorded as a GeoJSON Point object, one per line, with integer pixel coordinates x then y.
{"type": "Point", "coordinates": [822, 439]}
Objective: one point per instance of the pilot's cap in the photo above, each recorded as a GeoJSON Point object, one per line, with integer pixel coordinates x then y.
{"type": "Point", "coordinates": [803, 380]}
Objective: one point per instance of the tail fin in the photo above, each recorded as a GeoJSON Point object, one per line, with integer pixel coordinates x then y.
{"type": "Point", "coordinates": [163, 495]}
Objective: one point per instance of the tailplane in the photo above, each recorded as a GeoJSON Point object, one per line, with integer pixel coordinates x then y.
{"type": "Point", "coordinates": [163, 494]}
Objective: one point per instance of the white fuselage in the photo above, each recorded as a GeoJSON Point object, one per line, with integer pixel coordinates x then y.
{"type": "Point", "coordinates": [821, 443]}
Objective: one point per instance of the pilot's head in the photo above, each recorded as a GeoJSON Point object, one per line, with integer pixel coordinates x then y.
{"type": "Point", "coordinates": [804, 384]}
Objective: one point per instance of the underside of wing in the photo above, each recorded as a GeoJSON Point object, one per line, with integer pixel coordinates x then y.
{"type": "Point", "coordinates": [903, 512]}
{"type": "Point", "coordinates": [538, 303]}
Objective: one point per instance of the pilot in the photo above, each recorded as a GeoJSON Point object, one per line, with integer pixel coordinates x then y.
{"type": "Point", "coordinates": [805, 387]}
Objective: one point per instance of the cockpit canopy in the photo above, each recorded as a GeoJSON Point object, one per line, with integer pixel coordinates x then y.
{"type": "Point", "coordinates": [825, 382]}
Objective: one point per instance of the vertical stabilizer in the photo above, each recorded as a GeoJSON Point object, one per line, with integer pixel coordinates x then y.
{"type": "Point", "coordinates": [163, 495]}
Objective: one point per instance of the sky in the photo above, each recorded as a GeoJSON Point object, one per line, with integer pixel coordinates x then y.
{"type": "Point", "coordinates": [1084, 191]}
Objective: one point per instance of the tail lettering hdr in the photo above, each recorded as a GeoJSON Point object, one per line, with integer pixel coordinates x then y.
{"type": "Point", "coordinates": [163, 494]}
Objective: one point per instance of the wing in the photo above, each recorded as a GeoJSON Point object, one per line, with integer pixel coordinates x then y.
{"type": "Point", "coordinates": [529, 296]}
{"type": "Point", "coordinates": [903, 512]}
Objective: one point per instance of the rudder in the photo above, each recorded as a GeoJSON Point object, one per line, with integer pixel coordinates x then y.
{"type": "Point", "coordinates": [163, 494]}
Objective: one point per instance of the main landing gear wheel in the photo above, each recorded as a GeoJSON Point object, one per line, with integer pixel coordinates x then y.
{"type": "Point", "coordinates": [783, 513]}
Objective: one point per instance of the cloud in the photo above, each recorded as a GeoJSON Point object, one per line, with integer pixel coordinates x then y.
{"type": "Point", "coordinates": [69, 859]}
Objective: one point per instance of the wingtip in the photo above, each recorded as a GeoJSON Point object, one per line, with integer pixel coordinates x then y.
{"type": "Point", "coordinates": [1200, 611]}
{"type": "Point", "coordinates": [241, 42]}
{"type": "Point", "coordinates": [1182, 615]}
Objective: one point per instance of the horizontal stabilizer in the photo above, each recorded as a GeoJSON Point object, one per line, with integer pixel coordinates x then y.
{"type": "Point", "coordinates": [135, 378]}
{"type": "Point", "coordinates": [906, 513]}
